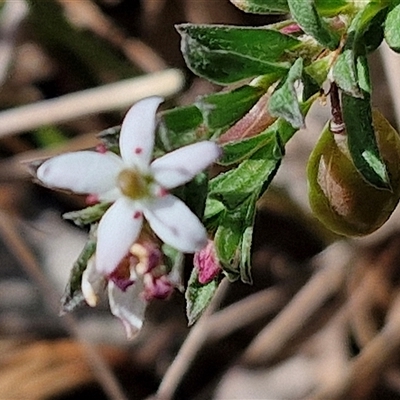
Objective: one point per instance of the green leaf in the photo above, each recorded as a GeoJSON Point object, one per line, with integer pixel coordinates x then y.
{"type": "Point", "coordinates": [198, 296]}
{"type": "Point", "coordinates": [235, 152]}
{"type": "Point", "coordinates": [195, 193]}
{"type": "Point", "coordinates": [284, 101]}
{"type": "Point", "coordinates": [221, 109]}
{"type": "Point", "coordinates": [262, 6]}
{"type": "Point", "coordinates": [318, 70]}
{"type": "Point", "coordinates": [213, 208]}
{"type": "Point", "coordinates": [227, 242]}
{"type": "Point", "coordinates": [361, 139]}
{"type": "Point", "coordinates": [234, 186]}
{"type": "Point", "coordinates": [233, 239]}
{"type": "Point", "coordinates": [110, 138]}
{"type": "Point", "coordinates": [350, 71]}
{"type": "Point", "coordinates": [331, 8]}
{"type": "Point", "coordinates": [345, 73]}
{"type": "Point", "coordinates": [88, 215]}
{"type": "Point", "coordinates": [392, 31]}
{"type": "Point", "coordinates": [180, 126]}
{"type": "Point", "coordinates": [306, 15]}
{"type": "Point", "coordinates": [73, 297]}
{"type": "Point", "coordinates": [227, 54]}
{"type": "Point", "coordinates": [210, 116]}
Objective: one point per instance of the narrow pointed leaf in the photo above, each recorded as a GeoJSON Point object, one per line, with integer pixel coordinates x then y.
{"type": "Point", "coordinates": [234, 186]}
{"type": "Point", "coordinates": [284, 102]}
{"type": "Point", "coordinates": [88, 215]}
{"type": "Point", "coordinates": [306, 15]}
{"type": "Point", "coordinates": [73, 297]}
{"type": "Point", "coordinates": [392, 31]}
{"type": "Point", "coordinates": [220, 109]}
{"type": "Point", "coordinates": [198, 296]}
{"type": "Point", "coordinates": [262, 6]}
{"type": "Point", "coordinates": [228, 54]}
{"type": "Point", "coordinates": [362, 143]}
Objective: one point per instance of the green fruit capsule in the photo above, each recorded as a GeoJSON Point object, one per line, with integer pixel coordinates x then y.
{"type": "Point", "coordinates": [339, 196]}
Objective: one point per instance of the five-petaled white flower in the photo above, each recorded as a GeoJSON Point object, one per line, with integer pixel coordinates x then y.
{"type": "Point", "coordinates": [136, 186]}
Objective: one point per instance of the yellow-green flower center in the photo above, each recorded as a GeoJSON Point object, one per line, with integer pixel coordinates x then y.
{"type": "Point", "coordinates": [133, 184]}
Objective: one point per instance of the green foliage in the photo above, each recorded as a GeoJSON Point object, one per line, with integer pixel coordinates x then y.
{"type": "Point", "coordinates": [198, 296]}
{"type": "Point", "coordinates": [73, 296]}
{"type": "Point", "coordinates": [228, 54]}
{"type": "Point", "coordinates": [284, 101]}
{"type": "Point", "coordinates": [392, 31]}
{"type": "Point", "coordinates": [305, 13]}
{"type": "Point", "coordinates": [286, 64]}
{"type": "Point", "coordinates": [88, 215]}
{"type": "Point", "coordinates": [361, 139]}
{"type": "Point", "coordinates": [262, 6]}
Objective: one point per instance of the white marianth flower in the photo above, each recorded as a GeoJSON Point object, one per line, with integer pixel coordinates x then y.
{"type": "Point", "coordinates": [141, 276]}
{"type": "Point", "coordinates": [137, 187]}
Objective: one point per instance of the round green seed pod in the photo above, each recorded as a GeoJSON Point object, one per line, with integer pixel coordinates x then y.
{"type": "Point", "coordinates": [339, 196]}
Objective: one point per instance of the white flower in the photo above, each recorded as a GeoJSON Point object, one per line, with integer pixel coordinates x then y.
{"type": "Point", "coordinates": [137, 186]}
{"type": "Point", "coordinates": [140, 277]}
{"type": "Point", "coordinates": [128, 305]}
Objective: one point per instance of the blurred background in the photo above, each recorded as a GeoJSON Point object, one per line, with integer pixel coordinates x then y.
{"type": "Point", "coordinates": [322, 319]}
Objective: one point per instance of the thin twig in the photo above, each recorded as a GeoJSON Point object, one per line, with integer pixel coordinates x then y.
{"type": "Point", "coordinates": [193, 343]}
{"type": "Point", "coordinates": [104, 375]}
{"type": "Point", "coordinates": [114, 96]}
{"type": "Point", "coordinates": [86, 14]}
{"type": "Point", "coordinates": [368, 366]}
{"type": "Point", "coordinates": [12, 14]}
{"type": "Point", "coordinates": [310, 298]}
{"type": "Point", "coordinates": [244, 312]}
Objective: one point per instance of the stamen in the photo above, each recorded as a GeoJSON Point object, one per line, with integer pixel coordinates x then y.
{"type": "Point", "coordinates": [121, 275]}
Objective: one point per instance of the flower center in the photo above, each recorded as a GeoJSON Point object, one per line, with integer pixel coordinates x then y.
{"type": "Point", "coordinates": [132, 184]}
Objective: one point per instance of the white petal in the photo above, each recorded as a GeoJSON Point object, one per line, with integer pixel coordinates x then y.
{"type": "Point", "coordinates": [180, 166]}
{"type": "Point", "coordinates": [128, 306]}
{"type": "Point", "coordinates": [137, 133]}
{"type": "Point", "coordinates": [92, 283]}
{"type": "Point", "coordinates": [82, 171]}
{"type": "Point", "coordinates": [118, 230]}
{"type": "Point", "coordinates": [175, 224]}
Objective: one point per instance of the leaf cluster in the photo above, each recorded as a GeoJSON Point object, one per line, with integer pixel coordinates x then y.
{"type": "Point", "coordinates": [271, 77]}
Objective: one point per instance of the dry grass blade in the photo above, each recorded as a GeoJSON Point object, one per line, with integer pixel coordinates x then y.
{"type": "Point", "coordinates": [114, 96]}
{"type": "Point", "coordinates": [39, 370]}
{"type": "Point", "coordinates": [12, 14]}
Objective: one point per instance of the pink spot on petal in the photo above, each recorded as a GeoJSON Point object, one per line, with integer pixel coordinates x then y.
{"type": "Point", "coordinates": [162, 192]}
{"type": "Point", "coordinates": [138, 150]}
{"type": "Point", "coordinates": [101, 148]}
{"type": "Point", "coordinates": [92, 199]}
{"type": "Point", "coordinates": [137, 214]}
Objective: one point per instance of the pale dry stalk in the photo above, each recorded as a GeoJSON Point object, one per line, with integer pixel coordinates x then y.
{"type": "Point", "coordinates": [327, 280]}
